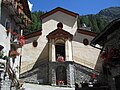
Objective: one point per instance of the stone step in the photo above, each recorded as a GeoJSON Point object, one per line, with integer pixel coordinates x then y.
{"type": "Point", "coordinates": [6, 85]}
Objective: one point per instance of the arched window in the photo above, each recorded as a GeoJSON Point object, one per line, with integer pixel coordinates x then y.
{"type": "Point", "coordinates": [61, 75]}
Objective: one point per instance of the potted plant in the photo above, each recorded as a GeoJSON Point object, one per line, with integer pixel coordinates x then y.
{"type": "Point", "coordinates": [60, 82]}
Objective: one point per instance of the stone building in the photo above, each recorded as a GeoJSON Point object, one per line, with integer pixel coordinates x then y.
{"type": "Point", "coordinates": [60, 53]}
{"type": "Point", "coordinates": [14, 18]}
{"type": "Point", "coordinates": [109, 39]}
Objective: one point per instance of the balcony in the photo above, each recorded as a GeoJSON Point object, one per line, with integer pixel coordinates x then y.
{"type": "Point", "coordinates": [17, 12]}
{"type": "Point", "coordinates": [9, 2]}
{"type": "Point", "coordinates": [18, 41]}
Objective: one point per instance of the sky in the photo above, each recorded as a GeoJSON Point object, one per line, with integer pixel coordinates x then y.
{"type": "Point", "coordinates": [82, 7]}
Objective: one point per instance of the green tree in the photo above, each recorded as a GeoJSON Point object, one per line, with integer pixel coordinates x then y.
{"type": "Point", "coordinates": [36, 22]}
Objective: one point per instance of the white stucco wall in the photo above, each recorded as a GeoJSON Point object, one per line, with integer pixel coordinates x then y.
{"type": "Point", "coordinates": [82, 54]}
{"type": "Point", "coordinates": [4, 40]}
{"type": "Point", "coordinates": [49, 24]}
{"type": "Point", "coordinates": [31, 55]}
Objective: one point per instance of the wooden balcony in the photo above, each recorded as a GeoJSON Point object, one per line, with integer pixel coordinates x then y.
{"type": "Point", "coordinates": [9, 2]}
{"type": "Point", "coordinates": [17, 12]}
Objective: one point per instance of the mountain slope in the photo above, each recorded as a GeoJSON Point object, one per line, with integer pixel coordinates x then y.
{"type": "Point", "coordinates": [110, 13]}
{"type": "Point", "coordinates": [98, 21]}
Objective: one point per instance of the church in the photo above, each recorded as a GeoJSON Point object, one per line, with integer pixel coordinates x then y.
{"type": "Point", "coordinates": [60, 53]}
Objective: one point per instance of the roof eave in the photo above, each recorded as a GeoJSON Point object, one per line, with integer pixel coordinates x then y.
{"type": "Point", "coordinates": [59, 9]}
{"type": "Point", "coordinates": [98, 39]}
{"type": "Point", "coordinates": [33, 34]}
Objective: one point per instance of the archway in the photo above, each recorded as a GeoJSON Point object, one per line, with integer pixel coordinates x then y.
{"type": "Point", "coordinates": [61, 76]}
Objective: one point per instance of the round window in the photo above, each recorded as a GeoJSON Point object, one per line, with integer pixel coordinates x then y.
{"type": "Point", "coordinates": [85, 42]}
{"type": "Point", "coordinates": [35, 43]}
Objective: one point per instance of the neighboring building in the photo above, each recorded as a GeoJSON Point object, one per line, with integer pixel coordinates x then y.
{"type": "Point", "coordinates": [61, 54]}
{"type": "Point", "coordinates": [109, 39]}
{"type": "Point", "coordinates": [14, 18]}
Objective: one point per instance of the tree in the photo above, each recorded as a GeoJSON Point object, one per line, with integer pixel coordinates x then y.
{"type": "Point", "coordinates": [36, 22]}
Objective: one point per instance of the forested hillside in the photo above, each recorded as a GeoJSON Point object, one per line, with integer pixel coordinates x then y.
{"type": "Point", "coordinates": [97, 22]}
{"type": "Point", "coordinates": [36, 22]}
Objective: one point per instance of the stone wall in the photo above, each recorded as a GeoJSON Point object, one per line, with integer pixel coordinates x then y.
{"type": "Point", "coordinates": [46, 73]}
{"type": "Point", "coordinates": [113, 65]}
{"type": "Point", "coordinates": [82, 73]}
{"type": "Point", "coordinates": [52, 71]}
{"type": "Point", "coordinates": [36, 75]}
{"type": "Point", "coordinates": [4, 40]}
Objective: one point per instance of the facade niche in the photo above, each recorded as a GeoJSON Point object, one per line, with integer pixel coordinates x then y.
{"type": "Point", "coordinates": [60, 51]}
{"type": "Point", "coordinates": [61, 76]}
{"type": "Point", "coordinates": [60, 48]}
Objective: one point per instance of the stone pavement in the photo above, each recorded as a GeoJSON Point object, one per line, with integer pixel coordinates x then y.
{"type": "Point", "coordinates": [29, 86]}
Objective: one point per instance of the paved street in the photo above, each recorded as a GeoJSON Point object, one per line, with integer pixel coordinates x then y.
{"type": "Point", "coordinates": [28, 86]}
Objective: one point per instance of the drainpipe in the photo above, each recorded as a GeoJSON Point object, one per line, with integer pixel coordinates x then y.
{"type": "Point", "coordinates": [0, 9]}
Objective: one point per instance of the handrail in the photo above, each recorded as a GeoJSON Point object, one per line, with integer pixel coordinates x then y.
{"type": "Point", "coordinates": [12, 76]}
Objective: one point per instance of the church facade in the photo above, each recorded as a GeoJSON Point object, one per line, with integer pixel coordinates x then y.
{"type": "Point", "coordinates": [60, 54]}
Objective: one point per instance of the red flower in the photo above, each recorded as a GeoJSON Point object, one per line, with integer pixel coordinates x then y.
{"type": "Point", "coordinates": [60, 82]}
{"type": "Point", "coordinates": [108, 55]}
{"type": "Point", "coordinates": [13, 53]}
{"type": "Point", "coordinates": [93, 76]}
{"type": "Point", "coordinates": [21, 40]}
{"type": "Point", "coordinates": [60, 59]}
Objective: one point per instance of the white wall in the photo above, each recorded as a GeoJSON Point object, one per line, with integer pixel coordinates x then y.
{"type": "Point", "coordinates": [49, 24]}
{"type": "Point", "coordinates": [82, 54]}
{"type": "Point", "coordinates": [4, 40]}
{"type": "Point", "coordinates": [32, 55]}
{"type": "Point", "coordinates": [0, 9]}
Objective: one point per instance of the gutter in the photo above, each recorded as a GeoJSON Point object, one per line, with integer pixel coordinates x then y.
{"type": "Point", "coordinates": [0, 9]}
{"type": "Point", "coordinates": [95, 46]}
